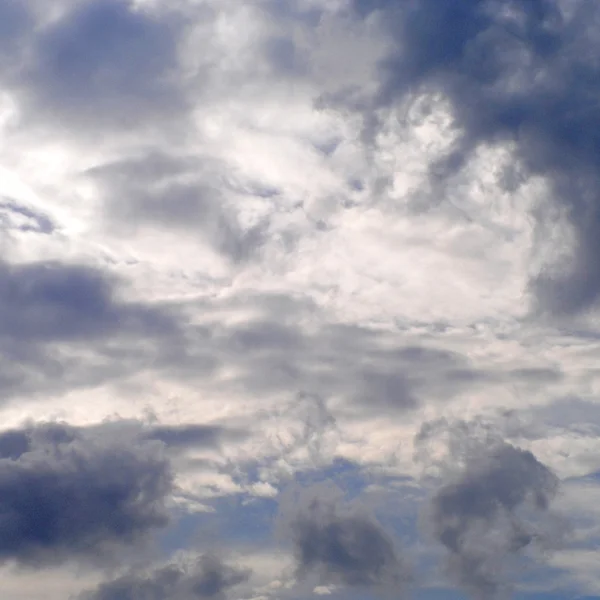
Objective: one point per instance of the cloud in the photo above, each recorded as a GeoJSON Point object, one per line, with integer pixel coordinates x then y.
{"type": "Point", "coordinates": [74, 494]}
{"type": "Point", "coordinates": [206, 577]}
{"type": "Point", "coordinates": [103, 62]}
{"type": "Point", "coordinates": [184, 193]}
{"type": "Point", "coordinates": [493, 506]}
{"type": "Point", "coordinates": [313, 226]}
{"type": "Point", "coordinates": [63, 325]}
{"type": "Point", "coordinates": [365, 366]}
{"type": "Point", "coordinates": [24, 219]}
{"type": "Point", "coordinates": [66, 326]}
{"type": "Point", "coordinates": [53, 301]}
{"type": "Point", "coordinates": [519, 74]}
{"type": "Point", "coordinates": [191, 435]}
{"type": "Point", "coordinates": [340, 542]}
{"type": "Point", "coordinates": [15, 22]}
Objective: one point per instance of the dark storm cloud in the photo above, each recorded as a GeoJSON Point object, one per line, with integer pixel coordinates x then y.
{"type": "Point", "coordinates": [69, 493]}
{"type": "Point", "coordinates": [524, 72]}
{"type": "Point", "coordinates": [208, 577]}
{"type": "Point", "coordinates": [340, 542]}
{"type": "Point", "coordinates": [16, 442]}
{"type": "Point", "coordinates": [491, 508]}
{"type": "Point", "coordinates": [103, 62]}
{"type": "Point", "coordinates": [51, 309]}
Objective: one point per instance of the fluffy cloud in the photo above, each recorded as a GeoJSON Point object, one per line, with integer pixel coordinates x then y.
{"type": "Point", "coordinates": [247, 245]}
{"type": "Point", "coordinates": [72, 494]}
{"type": "Point", "coordinates": [518, 74]}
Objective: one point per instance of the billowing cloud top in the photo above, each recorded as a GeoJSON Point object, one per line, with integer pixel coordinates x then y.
{"type": "Point", "coordinates": [299, 298]}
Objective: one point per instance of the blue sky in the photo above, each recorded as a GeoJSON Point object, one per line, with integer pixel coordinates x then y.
{"type": "Point", "coordinates": [299, 299]}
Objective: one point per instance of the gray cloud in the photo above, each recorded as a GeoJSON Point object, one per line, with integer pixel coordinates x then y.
{"type": "Point", "coordinates": [16, 442]}
{"type": "Point", "coordinates": [391, 372]}
{"type": "Point", "coordinates": [181, 437]}
{"type": "Point", "coordinates": [44, 301]}
{"type": "Point", "coordinates": [69, 493]}
{"type": "Point", "coordinates": [521, 72]}
{"type": "Point", "coordinates": [340, 542]}
{"type": "Point", "coordinates": [15, 21]}
{"type": "Point", "coordinates": [65, 326]}
{"type": "Point", "coordinates": [15, 216]}
{"type": "Point", "coordinates": [207, 577]}
{"type": "Point", "coordinates": [184, 193]}
{"type": "Point", "coordinates": [51, 309]}
{"type": "Point", "coordinates": [493, 506]}
{"type": "Point", "coordinates": [102, 63]}
{"type": "Point", "coordinates": [567, 414]}
{"type": "Point", "coordinates": [370, 368]}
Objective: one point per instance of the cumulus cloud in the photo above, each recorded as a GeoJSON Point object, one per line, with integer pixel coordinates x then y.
{"type": "Point", "coordinates": [340, 542]}
{"type": "Point", "coordinates": [493, 505]}
{"type": "Point", "coordinates": [520, 74]}
{"type": "Point", "coordinates": [72, 494]}
{"type": "Point", "coordinates": [206, 577]}
{"type": "Point", "coordinates": [265, 241]}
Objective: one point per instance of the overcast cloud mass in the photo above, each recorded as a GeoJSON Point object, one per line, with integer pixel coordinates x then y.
{"type": "Point", "coordinates": [299, 298]}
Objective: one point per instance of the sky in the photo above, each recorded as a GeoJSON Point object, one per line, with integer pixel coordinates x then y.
{"type": "Point", "coordinates": [299, 299]}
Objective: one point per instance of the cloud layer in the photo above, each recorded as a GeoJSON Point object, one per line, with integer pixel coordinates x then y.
{"type": "Point", "coordinates": [298, 298]}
